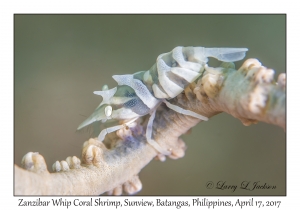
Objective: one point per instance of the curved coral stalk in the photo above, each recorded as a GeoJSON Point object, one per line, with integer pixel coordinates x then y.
{"type": "Point", "coordinates": [249, 94]}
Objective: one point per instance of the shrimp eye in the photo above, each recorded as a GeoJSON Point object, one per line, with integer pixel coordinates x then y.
{"type": "Point", "coordinates": [108, 111]}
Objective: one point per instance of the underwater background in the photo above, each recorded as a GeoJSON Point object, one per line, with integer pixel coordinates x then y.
{"type": "Point", "coordinates": [59, 60]}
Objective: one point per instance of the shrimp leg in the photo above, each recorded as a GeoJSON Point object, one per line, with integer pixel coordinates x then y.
{"type": "Point", "coordinates": [184, 111]}
{"type": "Point", "coordinates": [149, 134]}
{"type": "Point", "coordinates": [113, 128]}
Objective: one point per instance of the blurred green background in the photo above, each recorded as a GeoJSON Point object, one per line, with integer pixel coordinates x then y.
{"type": "Point", "coordinates": [59, 60]}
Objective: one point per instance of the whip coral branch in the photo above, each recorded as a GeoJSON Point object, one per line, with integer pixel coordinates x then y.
{"type": "Point", "coordinates": [249, 94]}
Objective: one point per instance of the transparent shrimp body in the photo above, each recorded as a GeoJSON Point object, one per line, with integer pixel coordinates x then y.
{"type": "Point", "coordinates": [141, 93]}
